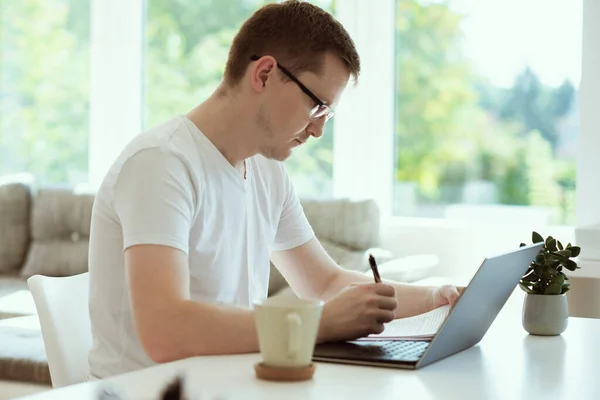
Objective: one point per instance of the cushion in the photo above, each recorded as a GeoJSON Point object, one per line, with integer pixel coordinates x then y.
{"type": "Point", "coordinates": [348, 223]}
{"type": "Point", "coordinates": [15, 199]}
{"type": "Point", "coordinates": [10, 284]}
{"type": "Point", "coordinates": [15, 297]}
{"type": "Point", "coordinates": [60, 230]}
{"type": "Point", "coordinates": [408, 269]}
{"type": "Point", "coordinates": [22, 352]}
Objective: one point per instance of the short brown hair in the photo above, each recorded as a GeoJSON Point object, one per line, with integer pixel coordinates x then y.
{"type": "Point", "coordinates": [296, 34]}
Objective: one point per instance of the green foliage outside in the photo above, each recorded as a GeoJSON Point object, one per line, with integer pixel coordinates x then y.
{"type": "Point", "coordinates": [454, 127]}
{"type": "Point", "coordinates": [44, 87]}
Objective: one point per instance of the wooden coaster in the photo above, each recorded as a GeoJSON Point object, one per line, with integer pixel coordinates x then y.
{"type": "Point", "coordinates": [284, 374]}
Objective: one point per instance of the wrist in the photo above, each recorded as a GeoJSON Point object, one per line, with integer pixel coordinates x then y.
{"type": "Point", "coordinates": [430, 299]}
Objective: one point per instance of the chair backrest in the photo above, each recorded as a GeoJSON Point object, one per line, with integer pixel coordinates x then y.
{"type": "Point", "coordinates": [62, 307]}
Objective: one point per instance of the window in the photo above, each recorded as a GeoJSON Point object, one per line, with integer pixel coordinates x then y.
{"type": "Point", "coordinates": [44, 89]}
{"type": "Point", "coordinates": [186, 50]}
{"type": "Point", "coordinates": [487, 112]}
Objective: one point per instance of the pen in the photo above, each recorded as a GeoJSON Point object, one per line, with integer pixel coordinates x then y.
{"type": "Point", "coordinates": [373, 265]}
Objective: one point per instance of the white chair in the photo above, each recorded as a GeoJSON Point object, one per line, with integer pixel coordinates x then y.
{"type": "Point", "coordinates": [62, 307]}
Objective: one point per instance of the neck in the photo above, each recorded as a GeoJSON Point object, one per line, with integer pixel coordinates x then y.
{"type": "Point", "coordinates": [228, 122]}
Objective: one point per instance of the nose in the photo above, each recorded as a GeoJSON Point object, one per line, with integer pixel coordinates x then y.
{"type": "Point", "coordinates": [315, 128]}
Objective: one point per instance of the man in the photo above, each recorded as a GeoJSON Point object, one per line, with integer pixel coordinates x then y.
{"type": "Point", "coordinates": [188, 216]}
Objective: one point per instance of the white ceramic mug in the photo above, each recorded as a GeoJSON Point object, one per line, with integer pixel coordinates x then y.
{"type": "Point", "coordinates": [287, 330]}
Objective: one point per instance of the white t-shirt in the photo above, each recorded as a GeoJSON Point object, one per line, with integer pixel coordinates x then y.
{"type": "Point", "coordinates": [171, 186]}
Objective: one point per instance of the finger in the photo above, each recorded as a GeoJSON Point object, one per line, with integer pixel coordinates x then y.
{"type": "Point", "coordinates": [377, 328]}
{"type": "Point", "coordinates": [451, 294]}
{"type": "Point", "coordinates": [387, 303]}
{"type": "Point", "coordinates": [384, 289]}
{"type": "Point", "coordinates": [384, 316]}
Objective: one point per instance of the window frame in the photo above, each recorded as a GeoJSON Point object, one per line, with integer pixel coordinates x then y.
{"type": "Point", "coordinates": [116, 81]}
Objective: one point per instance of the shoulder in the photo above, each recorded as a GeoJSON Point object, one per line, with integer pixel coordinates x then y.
{"type": "Point", "coordinates": [164, 150]}
{"type": "Point", "coordinates": [165, 145]}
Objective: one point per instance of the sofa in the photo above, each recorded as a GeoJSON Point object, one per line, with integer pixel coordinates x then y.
{"type": "Point", "coordinates": [45, 230]}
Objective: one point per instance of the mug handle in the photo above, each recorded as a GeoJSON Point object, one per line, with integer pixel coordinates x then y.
{"type": "Point", "coordinates": [294, 324]}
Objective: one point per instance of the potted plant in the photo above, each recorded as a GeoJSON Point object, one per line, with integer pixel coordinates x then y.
{"type": "Point", "coordinates": [545, 308]}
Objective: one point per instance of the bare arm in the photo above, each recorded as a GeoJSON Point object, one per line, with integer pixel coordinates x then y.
{"type": "Point", "coordinates": [312, 273]}
{"type": "Point", "coordinates": [169, 324]}
{"type": "Point", "coordinates": [412, 300]}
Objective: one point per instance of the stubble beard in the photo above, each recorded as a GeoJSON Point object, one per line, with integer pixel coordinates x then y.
{"type": "Point", "coordinates": [268, 150]}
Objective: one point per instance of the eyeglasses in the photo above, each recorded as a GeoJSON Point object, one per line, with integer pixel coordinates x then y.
{"type": "Point", "coordinates": [321, 109]}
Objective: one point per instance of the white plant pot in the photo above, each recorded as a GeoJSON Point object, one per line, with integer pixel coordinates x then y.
{"type": "Point", "coordinates": [546, 315]}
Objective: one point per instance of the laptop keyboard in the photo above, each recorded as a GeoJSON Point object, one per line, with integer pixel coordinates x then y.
{"type": "Point", "coordinates": [397, 351]}
{"type": "Point", "coordinates": [405, 350]}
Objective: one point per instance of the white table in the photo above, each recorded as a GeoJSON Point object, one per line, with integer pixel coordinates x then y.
{"type": "Point", "coordinates": [507, 364]}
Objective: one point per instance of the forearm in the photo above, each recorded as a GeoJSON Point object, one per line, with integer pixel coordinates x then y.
{"type": "Point", "coordinates": [412, 299]}
{"type": "Point", "coordinates": [190, 328]}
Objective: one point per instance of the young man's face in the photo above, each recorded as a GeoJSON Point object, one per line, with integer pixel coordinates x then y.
{"type": "Point", "coordinates": [284, 116]}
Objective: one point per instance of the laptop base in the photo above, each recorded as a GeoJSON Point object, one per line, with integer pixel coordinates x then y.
{"type": "Point", "coordinates": [396, 354]}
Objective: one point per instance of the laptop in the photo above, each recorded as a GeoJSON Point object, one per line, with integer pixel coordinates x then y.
{"type": "Point", "coordinates": [466, 324]}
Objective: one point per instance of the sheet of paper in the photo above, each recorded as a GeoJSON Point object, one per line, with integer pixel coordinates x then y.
{"type": "Point", "coordinates": [423, 326]}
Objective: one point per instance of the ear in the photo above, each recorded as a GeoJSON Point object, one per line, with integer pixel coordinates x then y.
{"type": "Point", "coordinates": [261, 71]}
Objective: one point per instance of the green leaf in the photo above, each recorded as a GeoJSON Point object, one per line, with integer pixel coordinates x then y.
{"type": "Point", "coordinates": [551, 244]}
{"type": "Point", "coordinates": [569, 246]}
{"type": "Point", "coordinates": [575, 250]}
{"type": "Point", "coordinates": [536, 237]}
{"type": "Point", "coordinates": [538, 270]}
{"type": "Point", "coordinates": [570, 265]}
{"type": "Point", "coordinates": [526, 289]}
{"type": "Point", "coordinates": [558, 279]}
{"type": "Point", "coordinates": [565, 289]}
{"type": "Point", "coordinates": [563, 253]}
{"type": "Point", "coordinates": [552, 261]}
{"type": "Point", "coordinates": [553, 288]}
{"type": "Point", "coordinates": [522, 245]}
{"type": "Point", "coordinates": [560, 246]}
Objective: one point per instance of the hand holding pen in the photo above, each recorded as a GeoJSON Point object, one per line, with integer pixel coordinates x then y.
{"type": "Point", "coordinates": [358, 310]}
